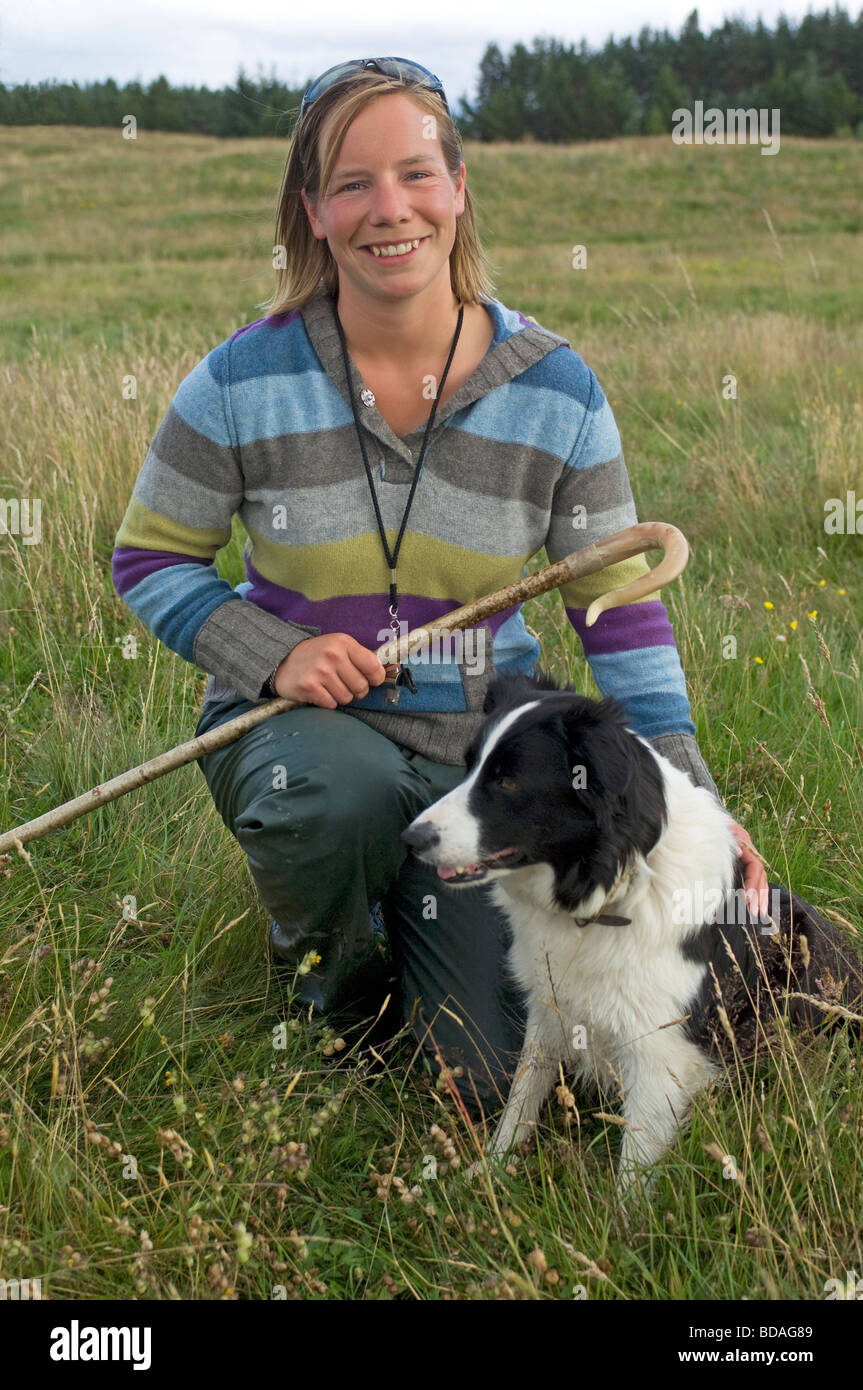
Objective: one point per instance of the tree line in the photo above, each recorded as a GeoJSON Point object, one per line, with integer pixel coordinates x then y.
{"type": "Point", "coordinates": [551, 92]}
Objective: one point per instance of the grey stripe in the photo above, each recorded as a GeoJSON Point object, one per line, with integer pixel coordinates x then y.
{"type": "Point", "coordinates": [192, 456]}
{"type": "Point", "coordinates": [332, 458]}
{"type": "Point", "coordinates": [494, 526]}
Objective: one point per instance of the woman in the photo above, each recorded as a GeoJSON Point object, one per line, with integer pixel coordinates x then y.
{"type": "Point", "coordinates": [384, 353]}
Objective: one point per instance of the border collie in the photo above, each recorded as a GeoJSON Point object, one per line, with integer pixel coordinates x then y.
{"type": "Point", "coordinates": [622, 885]}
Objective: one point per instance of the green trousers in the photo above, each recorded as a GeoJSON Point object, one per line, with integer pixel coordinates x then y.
{"type": "Point", "coordinates": [317, 801]}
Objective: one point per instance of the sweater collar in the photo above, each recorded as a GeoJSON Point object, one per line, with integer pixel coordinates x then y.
{"type": "Point", "coordinates": [516, 345]}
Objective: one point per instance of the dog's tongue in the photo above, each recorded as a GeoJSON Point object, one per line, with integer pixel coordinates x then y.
{"type": "Point", "coordinates": [451, 873]}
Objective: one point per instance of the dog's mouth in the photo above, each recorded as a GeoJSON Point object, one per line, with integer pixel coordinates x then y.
{"type": "Point", "coordinates": [470, 873]}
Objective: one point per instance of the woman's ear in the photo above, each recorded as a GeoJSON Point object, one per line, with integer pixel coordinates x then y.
{"type": "Point", "coordinates": [310, 205]}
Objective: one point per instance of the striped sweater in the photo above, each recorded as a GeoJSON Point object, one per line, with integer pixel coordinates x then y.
{"type": "Point", "coordinates": [525, 454]}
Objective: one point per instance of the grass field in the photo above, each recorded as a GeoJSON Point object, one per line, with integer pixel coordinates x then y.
{"type": "Point", "coordinates": [137, 1006]}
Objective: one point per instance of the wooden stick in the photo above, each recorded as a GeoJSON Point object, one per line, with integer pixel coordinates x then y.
{"type": "Point", "coordinates": [647, 535]}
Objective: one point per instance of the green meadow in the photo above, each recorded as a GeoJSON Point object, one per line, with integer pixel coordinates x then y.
{"type": "Point", "coordinates": [153, 1142]}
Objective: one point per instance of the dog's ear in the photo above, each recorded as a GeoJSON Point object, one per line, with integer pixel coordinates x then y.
{"type": "Point", "coordinates": [597, 743]}
{"type": "Point", "coordinates": [513, 690]}
{"type": "Point", "coordinates": [621, 778]}
{"type": "Point", "coordinates": [544, 680]}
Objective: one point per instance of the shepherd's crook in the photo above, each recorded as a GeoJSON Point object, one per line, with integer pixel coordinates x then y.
{"type": "Point", "coordinates": [647, 535]}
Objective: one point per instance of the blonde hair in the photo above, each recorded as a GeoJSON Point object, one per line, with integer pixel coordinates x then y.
{"type": "Point", "coordinates": [310, 164]}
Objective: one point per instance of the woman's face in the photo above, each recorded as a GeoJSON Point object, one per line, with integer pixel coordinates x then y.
{"type": "Point", "coordinates": [390, 186]}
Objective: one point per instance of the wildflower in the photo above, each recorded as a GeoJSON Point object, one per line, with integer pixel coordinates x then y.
{"type": "Point", "coordinates": [813, 615]}
{"type": "Point", "coordinates": [793, 624]}
{"type": "Point", "coordinates": [767, 604]}
{"type": "Point", "coordinates": [821, 583]}
{"type": "Point", "coordinates": [758, 661]}
{"type": "Point", "coordinates": [840, 591]}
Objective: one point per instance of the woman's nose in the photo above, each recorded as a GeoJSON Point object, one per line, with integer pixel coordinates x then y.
{"type": "Point", "coordinates": [389, 199]}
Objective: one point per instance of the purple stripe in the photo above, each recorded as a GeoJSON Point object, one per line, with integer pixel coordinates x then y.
{"type": "Point", "coordinates": [129, 564]}
{"type": "Point", "coordinates": [275, 321]}
{"type": "Point", "coordinates": [362, 615]}
{"type": "Point", "coordinates": [625, 629]}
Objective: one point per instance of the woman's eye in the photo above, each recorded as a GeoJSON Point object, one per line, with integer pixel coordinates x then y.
{"type": "Point", "coordinates": [415, 173]}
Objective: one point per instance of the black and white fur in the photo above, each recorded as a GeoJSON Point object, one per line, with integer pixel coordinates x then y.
{"type": "Point", "coordinates": [591, 868]}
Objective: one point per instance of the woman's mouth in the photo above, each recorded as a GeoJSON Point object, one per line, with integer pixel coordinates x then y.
{"type": "Point", "coordinates": [396, 251]}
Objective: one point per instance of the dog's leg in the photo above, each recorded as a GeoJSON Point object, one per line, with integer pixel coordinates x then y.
{"type": "Point", "coordinates": [661, 1076]}
{"type": "Point", "coordinates": [533, 1081]}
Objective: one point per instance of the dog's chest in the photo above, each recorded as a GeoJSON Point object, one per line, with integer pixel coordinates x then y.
{"type": "Point", "coordinates": [605, 986]}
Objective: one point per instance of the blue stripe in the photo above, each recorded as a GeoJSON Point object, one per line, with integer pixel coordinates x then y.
{"type": "Point", "coordinates": [515, 651]}
{"type": "Point", "coordinates": [198, 399]}
{"type": "Point", "coordinates": [175, 602]}
{"type": "Point", "coordinates": [651, 686]}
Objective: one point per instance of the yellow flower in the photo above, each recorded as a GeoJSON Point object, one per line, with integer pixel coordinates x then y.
{"type": "Point", "coordinates": [813, 614]}
{"type": "Point", "coordinates": [793, 624]}
{"type": "Point", "coordinates": [821, 583]}
{"type": "Point", "coordinates": [758, 661]}
{"type": "Point", "coordinates": [767, 604]}
{"type": "Point", "coordinates": [840, 591]}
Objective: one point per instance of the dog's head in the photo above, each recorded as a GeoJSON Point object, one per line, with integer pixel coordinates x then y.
{"type": "Point", "coordinates": [554, 779]}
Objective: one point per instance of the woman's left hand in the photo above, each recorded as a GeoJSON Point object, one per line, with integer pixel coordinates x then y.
{"type": "Point", "coordinates": [754, 876]}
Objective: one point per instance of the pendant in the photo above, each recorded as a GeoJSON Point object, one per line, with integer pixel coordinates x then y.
{"type": "Point", "coordinates": [367, 397]}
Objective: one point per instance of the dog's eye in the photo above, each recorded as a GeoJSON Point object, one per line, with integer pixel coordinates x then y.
{"type": "Point", "coordinates": [506, 784]}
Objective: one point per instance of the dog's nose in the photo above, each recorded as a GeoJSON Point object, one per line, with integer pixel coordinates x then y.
{"type": "Point", "coordinates": [421, 836]}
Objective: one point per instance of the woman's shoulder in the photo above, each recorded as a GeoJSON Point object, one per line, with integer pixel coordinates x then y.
{"type": "Point", "coordinates": [270, 343]}
{"type": "Point", "coordinates": [560, 368]}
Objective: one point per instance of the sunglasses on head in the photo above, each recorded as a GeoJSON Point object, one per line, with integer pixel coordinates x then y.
{"type": "Point", "coordinates": [401, 68]}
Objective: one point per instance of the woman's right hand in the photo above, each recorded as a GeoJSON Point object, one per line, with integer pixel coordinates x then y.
{"type": "Point", "coordinates": [329, 671]}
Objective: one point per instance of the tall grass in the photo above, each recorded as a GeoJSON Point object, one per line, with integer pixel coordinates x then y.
{"type": "Point", "coordinates": [154, 1142]}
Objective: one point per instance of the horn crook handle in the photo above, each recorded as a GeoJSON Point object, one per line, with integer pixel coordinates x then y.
{"type": "Point", "coordinates": [646, 535]}
{"type": "Point", "coordinates": [620, 547]}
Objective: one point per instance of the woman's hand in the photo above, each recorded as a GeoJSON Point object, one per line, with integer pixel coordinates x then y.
{"type": "Point", "coordinates": [754, 876]}
{"type": "Point", "coordinates": [328, 671]}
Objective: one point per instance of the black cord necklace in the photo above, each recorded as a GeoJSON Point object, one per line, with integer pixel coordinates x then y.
{"type": "Point", "coordinates": [401, 675]}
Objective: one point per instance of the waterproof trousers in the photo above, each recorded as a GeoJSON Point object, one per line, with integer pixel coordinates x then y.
{"type": "Point", "coordinates": [317, 800]}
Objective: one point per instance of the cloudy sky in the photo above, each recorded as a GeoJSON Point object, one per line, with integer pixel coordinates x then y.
{"type": "Point", "coordinates": [205, 41]}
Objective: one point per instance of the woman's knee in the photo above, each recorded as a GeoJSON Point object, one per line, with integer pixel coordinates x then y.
{"type": "Point", "coordinates": [314, 771]}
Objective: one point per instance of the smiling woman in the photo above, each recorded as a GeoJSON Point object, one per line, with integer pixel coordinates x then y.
{"type": "Point", "coordinates": [386, 397]}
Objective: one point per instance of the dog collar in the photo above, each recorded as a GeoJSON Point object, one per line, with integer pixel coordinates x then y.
{"type": "Point", "coordinates": [607, 919]}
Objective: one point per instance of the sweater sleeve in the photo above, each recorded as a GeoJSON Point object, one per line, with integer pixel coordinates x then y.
{"type": "Point", "coordinates": [631, 650]}
{"type": "Point", "coordinates": [178, 518]}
